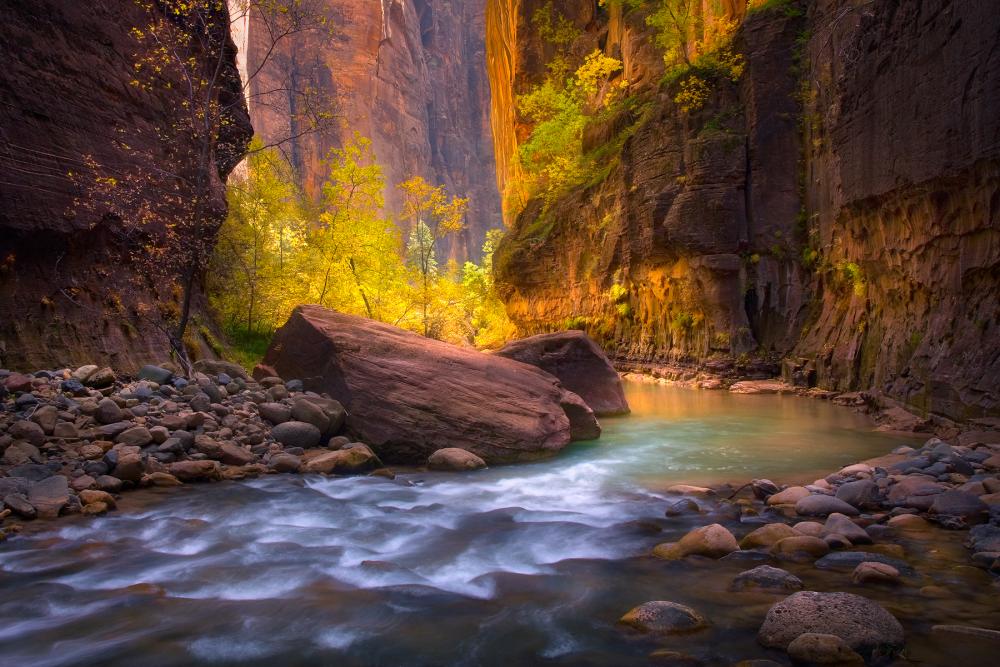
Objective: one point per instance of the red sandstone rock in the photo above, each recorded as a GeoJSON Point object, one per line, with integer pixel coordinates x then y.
{"type": "Point", "coordinates": [578, 363]}
{"type": "Point", "coordinates": [65, 83]}
{"type": "Point", "coordinates": [408, 396]}
{"type": "Point", "coordinates": [410, 76]}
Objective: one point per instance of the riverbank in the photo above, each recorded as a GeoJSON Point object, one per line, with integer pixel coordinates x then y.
{"type": "Point", "coordinates": [73, 440]}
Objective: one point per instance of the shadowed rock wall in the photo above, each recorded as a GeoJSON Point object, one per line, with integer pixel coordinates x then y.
{"type": "Point", "coordinates": [65, 86]}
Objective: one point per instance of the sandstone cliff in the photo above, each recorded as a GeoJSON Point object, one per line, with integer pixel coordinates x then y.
{"type": "Point", "coordinates": [836, 207]}
{"type": "Point", "coordinates": [410, 76]}
{"type": "Point", "coordinates": [66, 289]}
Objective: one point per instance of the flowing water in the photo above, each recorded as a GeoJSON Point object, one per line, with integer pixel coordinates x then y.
{"type": "Point", "coordinates": [526, 564]}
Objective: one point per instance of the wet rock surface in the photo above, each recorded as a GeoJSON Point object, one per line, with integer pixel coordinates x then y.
{"type": "Point", "coordinates": [862, 624]}
{"type": "Point", "coordinates": [665, 618]}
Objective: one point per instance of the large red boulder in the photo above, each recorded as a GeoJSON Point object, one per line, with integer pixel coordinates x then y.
{"type": "Point", "coordinates": [578, 363]}
{"type": "Point", "coordinates": [408, 396]}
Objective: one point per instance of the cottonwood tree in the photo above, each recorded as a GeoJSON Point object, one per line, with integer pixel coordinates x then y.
{"type": "Point", "coordinates": [432, 215]}
{"type": "Point", "coordinates": [353, 240]}
{"type": "Point", "coordinates": [166, 198]}
{"type": "Point", "coordinates": [253, 272]}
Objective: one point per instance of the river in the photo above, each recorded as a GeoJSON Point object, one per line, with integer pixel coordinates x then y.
{"type": "Point", "coordinates": [525, 564]}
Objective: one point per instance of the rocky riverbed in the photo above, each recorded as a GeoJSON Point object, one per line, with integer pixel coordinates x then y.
{"type": "Point", "coordinates": [828, 565]}
{"type": "Point", "coordinates": [862, 521]}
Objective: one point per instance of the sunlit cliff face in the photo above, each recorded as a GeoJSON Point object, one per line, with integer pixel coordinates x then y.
{"type": "Point", "coordinates": [410, 76]}
{"type": "Point", "coordinates": [814, 208]}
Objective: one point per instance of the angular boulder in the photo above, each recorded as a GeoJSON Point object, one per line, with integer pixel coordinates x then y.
{"type": "Point", "coordinates": [408, 396]}
{"type": "Point", "coordinates": [578, 363]}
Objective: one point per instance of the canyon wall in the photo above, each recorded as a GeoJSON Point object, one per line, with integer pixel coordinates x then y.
{"type": "Point", "coordinates": [410, 76]}
{"type": "Point", "coordinates": [833, 212]}
{"type": "Point", "coordinates": [67, 288]}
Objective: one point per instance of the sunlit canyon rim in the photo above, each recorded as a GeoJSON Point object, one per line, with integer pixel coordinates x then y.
{"type": "Point", "coordinates": [491, 332]}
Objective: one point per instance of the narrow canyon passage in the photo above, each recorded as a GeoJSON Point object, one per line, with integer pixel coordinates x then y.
{"type": "Point", "coordinates": [499, 332]}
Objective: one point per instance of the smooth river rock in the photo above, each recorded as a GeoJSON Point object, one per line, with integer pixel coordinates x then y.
{"type": "Point", "coordinates": [452, 458]}
{"type": "Point", "coordinates": [712, 541]}
{"type": "Point", "coordinates": [664, 617]}
{"type": "Point", "coordinates": [579, 364]}
{"type": "Point", "coordinates": [408, 396]}
{"type": "Point", "coordinates": [767, 578]}
{"type": "Point", "coordinates": [820, 505]}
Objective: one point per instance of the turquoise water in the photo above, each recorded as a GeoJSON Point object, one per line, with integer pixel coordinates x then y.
{"type": "Point", "coordinates": [527, 564]}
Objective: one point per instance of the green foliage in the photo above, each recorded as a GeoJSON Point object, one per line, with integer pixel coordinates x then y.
{"type": "Point", "coordinates": [617, 293]}
{"type": "Point", "coordinates": [810, 258]}
{"type": "Point", "coordinates": [853, 275]}
{"type": "Point", "coordinates": [693, 93]}
{"type": "Point", "coordinates": [683, 321]}
{"type": "Point", "coordinates": [553, 26]}
{"type": "Point", "coordinates": [420, 251]}
{"type": "Point", "coordinates": [790, 8]}
{"type": "Point", "coordinates": [275, 252]}
{"type": "Point", "coordinates": [249, 278]}
{"type": "Point", "coordinates": [489, 315]}
{"type": "Point", "coordinates": [559, 109]}
{"type": "Point", "coordinates": [247, 348]}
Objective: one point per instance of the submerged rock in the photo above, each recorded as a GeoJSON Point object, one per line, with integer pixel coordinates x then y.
{"type": "Point", "coordinates": [578, 363]}
{"type": "Point", "coordinates": [815, 648]}
{"type": "Point", "coordinates": [848, 560]}
{"type": "Point", "coordinates": [870, 572]}
{"type": "Point", "coordinates": [664, 617]}
{"type": "Point", "coordinates": [765, 577]}
{"type": "Point", "coordinates": [766, 536]}
{"type": "Point", "coordinates": [408, 396]}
